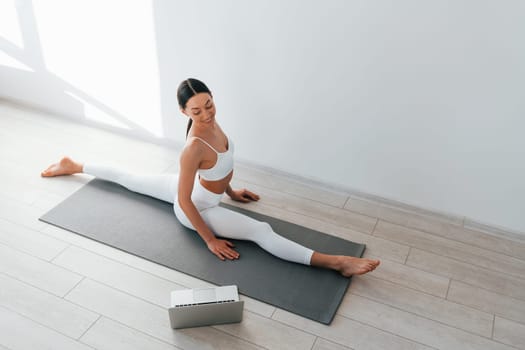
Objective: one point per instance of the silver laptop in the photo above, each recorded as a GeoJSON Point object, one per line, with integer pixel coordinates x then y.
{"type": "Point", "coordinates": [205, 306]}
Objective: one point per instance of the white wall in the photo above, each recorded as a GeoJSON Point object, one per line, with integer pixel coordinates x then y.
{"type": "Point", "coordinates": [417, 101]}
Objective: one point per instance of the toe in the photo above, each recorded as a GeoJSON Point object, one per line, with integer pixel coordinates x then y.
{"type": "Point", "coordinates": [49, 170]}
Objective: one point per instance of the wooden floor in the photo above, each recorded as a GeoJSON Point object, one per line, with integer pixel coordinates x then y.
{"type": "Point", "coordinates": [440, 286]}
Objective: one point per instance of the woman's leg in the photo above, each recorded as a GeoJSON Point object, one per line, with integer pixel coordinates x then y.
{"type": "Point", "coordinates": [230, 224]}
{"type": "Point", "coordinates": [161, 186]}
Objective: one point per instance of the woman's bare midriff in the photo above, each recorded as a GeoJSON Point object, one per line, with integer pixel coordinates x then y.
{"type": "Point", "coordinates": [218, 186]}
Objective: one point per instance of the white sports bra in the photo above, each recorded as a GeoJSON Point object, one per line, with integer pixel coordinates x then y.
{"type": "Point", "coordinates": [222, 167]}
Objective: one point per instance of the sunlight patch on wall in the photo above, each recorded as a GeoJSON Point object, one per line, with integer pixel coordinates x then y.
{"type": "Point", "coordinates": [9, 26]}
{"type": "Point", "coordinates": [8, 61]}
{"type": "Point", "coordinates": [94, 113]}
{"type": "Point", "coordinates": [106, 50]}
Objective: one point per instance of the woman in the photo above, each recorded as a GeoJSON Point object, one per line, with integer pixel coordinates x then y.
{"type": "Point", "coordinates": [206, 169]}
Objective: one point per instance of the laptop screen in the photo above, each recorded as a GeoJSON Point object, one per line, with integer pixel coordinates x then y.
{"type": "Point", "coordinates": [204, 295]}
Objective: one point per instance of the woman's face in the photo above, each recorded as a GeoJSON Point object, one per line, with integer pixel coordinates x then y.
{"type": "Point", "coordinates": [200, 108]}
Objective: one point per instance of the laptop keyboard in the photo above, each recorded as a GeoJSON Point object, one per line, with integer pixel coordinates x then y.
{"type": "Point", "coordinates": [210, 302]}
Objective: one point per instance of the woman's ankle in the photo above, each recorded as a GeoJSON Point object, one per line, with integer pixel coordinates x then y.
{"type": "Point", "coordinates": [327, 261]}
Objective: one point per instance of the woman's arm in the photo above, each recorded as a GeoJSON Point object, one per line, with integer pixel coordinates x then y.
{"type": "Point", "coordinates": [242, 195]}
{"type": "Point", "coordinates": [189, 163]}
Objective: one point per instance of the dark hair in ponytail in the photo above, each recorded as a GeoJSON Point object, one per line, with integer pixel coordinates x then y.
{"type": "Point", "coordinates": [187, 89]}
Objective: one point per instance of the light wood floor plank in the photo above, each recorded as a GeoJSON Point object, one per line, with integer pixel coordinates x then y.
{"type": "Point", "coordinates": [30, 241]}
{"type": "Point", "coordinates": [20, 213]}
{"type": "Point", "coordinates": [487, 241]}
{"type": "Point", "coordinates": [473, 275]}
{"type": "Point", "coordinates": [28, 175]}
{"type": "Point", "coordinates": [268, 333]}
{"type": "Point", "coordinates": [116, 275]}
{"type": "Point", "coordinates": [509, 332]}
{"type": "Point", "coordinates": [20, 333]}
{"type": "Point", "coordinates": [47, 309]}
{"type": "Point", "coordinates": [414, 327]}
{"type": "Point", "coordinates": [28, 187]}
{"type": "Point", "coordinates": [107, 334]}
{"type": "Point", "coordinates": [323, 344]}
{"type": "Point", "coordinates": [346, 332]}
{"type": "Point", "coordinates": [482, 299]}
{"type": "Point", "coordinates": [435, 308]}
{"type": "Point", "coordinates": [412, 277]}
{"type": "Point", "coordinates": [453, 249]}
{"type": "Point", "coordinates": [399, 213]}
{"type": "Point", "coordinates": [495, 231]}
{"type": "Point", "coordinates": [440, 227]}
{"type": "Point", "coordinates": [280, 183]}
{"type": "Point", "coordinates": [21, 183]}
{"type": "Point", "coordinates": [36, 272]}
{"type": "Point", "coordinates": [314, 209]}
{"type": "Point", "coordinates": [12, 188]}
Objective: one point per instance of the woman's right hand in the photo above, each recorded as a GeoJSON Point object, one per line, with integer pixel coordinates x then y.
{"type": "Point", "coordinates": [223, 249]}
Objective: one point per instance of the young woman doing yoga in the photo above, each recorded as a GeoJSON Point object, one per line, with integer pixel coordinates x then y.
{"type": "Point", "coordinates": [206, 169]}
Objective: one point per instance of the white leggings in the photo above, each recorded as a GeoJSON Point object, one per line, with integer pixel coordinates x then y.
{"type": "Point", "coordinates": [223, 222]}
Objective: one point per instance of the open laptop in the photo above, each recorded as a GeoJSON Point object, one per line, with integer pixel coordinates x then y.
{"type": "Point", "coordinates": [205, 306]}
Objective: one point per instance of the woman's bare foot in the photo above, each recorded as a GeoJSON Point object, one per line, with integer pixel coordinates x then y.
{"type": "Point", "coordinates": [345, 265]}
{"type": "Point", "coordinates": [349, 265]}
{"type": "Point", "coordinates": [66, 166]}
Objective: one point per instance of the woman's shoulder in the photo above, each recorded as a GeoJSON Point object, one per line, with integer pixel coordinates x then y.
{"type": "Point", "coordinates": [191, 155]}
{"type": "Point", "coordinates": [192, 145]}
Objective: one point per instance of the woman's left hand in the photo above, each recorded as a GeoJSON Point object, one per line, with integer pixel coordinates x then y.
{"type": "Point", "coordinates": [243, 195]}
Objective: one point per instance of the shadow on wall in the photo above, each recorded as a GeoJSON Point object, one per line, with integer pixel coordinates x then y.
{"type": "Point", "coordinates": [72, 76]}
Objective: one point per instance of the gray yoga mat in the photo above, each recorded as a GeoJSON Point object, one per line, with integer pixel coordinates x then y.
{"type": "Point", "coordinates": [147, 227]}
